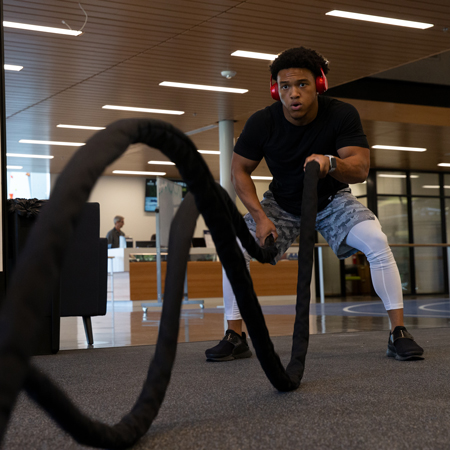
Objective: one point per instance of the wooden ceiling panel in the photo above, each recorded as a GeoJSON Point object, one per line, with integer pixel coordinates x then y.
{"type": "Point", "coordinates": [128, 48]}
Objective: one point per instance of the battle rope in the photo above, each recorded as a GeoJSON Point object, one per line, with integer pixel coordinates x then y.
{"type": "Point", "coordinates": [37, 272]}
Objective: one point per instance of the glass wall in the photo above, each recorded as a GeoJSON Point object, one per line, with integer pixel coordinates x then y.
{"type": "Point", "coordinates": [393, 216]}
{"type": "Point", "coordinates": [391, 183]}
{"type": "Point", "coordinates": [28, 185]}
{"type": "Point", "coordinates": [409, 208]}
{"type": "Point", "coordinates": [427, 230]}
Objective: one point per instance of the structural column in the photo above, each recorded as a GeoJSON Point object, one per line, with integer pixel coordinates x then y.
{"type": "Point", "coordinates": [226, 145]}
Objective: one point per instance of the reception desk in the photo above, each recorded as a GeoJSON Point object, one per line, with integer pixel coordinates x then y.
{"type": "Point", "coordinates": [205, 279]}
{"type": "Point", "coordinates": [119, 259]}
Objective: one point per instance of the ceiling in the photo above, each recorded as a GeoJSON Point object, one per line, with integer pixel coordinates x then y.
{"type": "Point", "coordinates": [128, 47]}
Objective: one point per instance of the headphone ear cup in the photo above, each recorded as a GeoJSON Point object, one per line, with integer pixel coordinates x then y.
{"type": "Point", "coordinates": [321, 83]}
{"type": "Point", "coordinates": [274, 90]}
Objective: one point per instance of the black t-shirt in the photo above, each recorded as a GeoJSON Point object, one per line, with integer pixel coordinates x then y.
{"type": "Point", "coordinates": [268, 134]}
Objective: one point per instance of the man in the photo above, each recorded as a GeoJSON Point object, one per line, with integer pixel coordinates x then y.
{"type": "Point", "coordinates": [302, 127]}
{"type": "Point", "coordinates": [113, 235]}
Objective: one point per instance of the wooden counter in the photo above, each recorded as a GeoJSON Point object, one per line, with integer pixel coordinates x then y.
{"type": "Point", "coordinates": [205, 279]}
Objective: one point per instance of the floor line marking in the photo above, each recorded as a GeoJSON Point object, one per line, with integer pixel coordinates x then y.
{"type": "Point", "coordinates": [348, 309]}
{"type": "Point", "coordinates": [425, 307]}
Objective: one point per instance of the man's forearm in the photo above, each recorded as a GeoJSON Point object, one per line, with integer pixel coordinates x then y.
{"type": "Point", "coordinates": [350, 170]}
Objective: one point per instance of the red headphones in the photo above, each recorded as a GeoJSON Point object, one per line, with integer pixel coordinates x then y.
{"type": "Point", "coordinates": [321, 86]}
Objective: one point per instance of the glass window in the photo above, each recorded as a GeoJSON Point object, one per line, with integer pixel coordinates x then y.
{"type": "Point", "coordinates": [446, 184]}
{"type": "Point", "coordinates": [28, 185]}
{"type": "Point", "coordinates": [427, 230]}
{"type": "Point", "coordinates": [424, 184]}
{"type": "Point", "coordinates": [393, 216]}
{"type": "Point", "coordinates": [391, 183]}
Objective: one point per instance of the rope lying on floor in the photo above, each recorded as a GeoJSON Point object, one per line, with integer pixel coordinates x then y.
{"type": "Point", "coordinates": [37, 273]}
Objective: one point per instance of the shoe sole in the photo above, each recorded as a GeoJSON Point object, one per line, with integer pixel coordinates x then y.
{"type": "Point", "coordinates": [395, 355]}
{"type": "Point", "coordinates": [231, 357]}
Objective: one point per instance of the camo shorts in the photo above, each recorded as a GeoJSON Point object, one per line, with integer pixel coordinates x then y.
{"type": "Point", "coordinates": [334, 222]}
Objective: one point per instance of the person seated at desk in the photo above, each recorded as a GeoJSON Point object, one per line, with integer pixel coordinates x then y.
{"type": "Point", "coordinates": [113, 235]}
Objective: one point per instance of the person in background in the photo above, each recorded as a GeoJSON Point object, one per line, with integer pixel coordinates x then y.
{"type": "Point", "coordinates": [113, 235]}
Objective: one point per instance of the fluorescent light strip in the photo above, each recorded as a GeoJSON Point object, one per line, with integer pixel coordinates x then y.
{"type": "Point", "coordinates": [23, 155]}
{"type": "Point", "coordinates": [13, 67]}
{"type": "Point", "coordinates": [429, 186]}
{"type": "Point", "coordinates": [203, 87]}
{"type": "Point", "coordinates": [144, 110]}
{"type": "Point", "coordinates": [163, 163]}
{"type": "Point", "coordinates": [257, 177]}
{"type": "Point", "coordinates": [137, 172]}
{"type": "Point", "coordinates": [27, 26]}
{"type": "Point", "coordinates": [389, 175]}
{"type": "Point", "coordinates": [14, 167]}
{"type": "Point", "coordinates": [79, 127]}
{"type": "Point", "coordinates": [444, 164]}
{"type": "Point", "coordinates": [68, 144]}
{"type": "Point", "coordinates": [394, 147]}
{"type": "Point", "coordinates": [254, 55]}
{"type": "Point", "coordinates": [209, 152]}
{"type": "Point", "coordinates": [379, 19]}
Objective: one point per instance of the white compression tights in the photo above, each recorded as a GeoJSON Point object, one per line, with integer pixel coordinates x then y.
{"type": "Point", "coordinates": [368, 238]}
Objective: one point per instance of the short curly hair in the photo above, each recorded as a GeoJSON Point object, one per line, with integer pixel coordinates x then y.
{"type": "Point", "coordinates": [299, 57]}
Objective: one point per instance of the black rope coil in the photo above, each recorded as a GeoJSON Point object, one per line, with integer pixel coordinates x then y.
{"type": "Point", "coordinates": [38, 268]}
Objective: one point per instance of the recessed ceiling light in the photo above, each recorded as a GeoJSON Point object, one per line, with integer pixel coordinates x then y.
{"type": "Point", "coordinates": [209, 152]}
{"type": "Point", "coordinates": [391, 175]}
{"type": "Point", "coordinates": [13, 67]}
{"type": "Point", "coordinates": [145, 110]}
{"type": "Point", "coordinates": [27, 26]}
{"type": "Point", "coordinates": [68, 144]}
{"type": "Point", "coordinates": [79, 127]}
{"type": "Point", "coordinates": [203, 87]}
{"type": "Point", "coordinates": [23, 155]}
{"type": "Point", "coordinates": [164, 163]}
{"type": "Point", "coordinates": [444, 164]}
{"type": "Point", "coordinates": [257, 177]}
{"type": "Point", "coordinates": [138, 172]}
{"type": "Point", "coordinates": [379, 19]}
{"type": "Point", "coordinates": [254, 55]}
{"type": "Point", "coordinates": [394, 147]}
{"type": "Point", "coordinates": [14, 167]}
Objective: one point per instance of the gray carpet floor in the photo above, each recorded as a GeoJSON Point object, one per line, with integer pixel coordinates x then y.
{"type": "Point", "coordinates": [351, 397]}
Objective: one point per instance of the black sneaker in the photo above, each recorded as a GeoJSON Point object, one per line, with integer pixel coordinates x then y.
{"type": "Point", "coordinates": [402, 346]}
{"type": "Point", "coordinates": [232, 346]}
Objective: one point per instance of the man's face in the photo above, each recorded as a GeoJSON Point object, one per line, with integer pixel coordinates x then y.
{"type": "Point", "coordinates": [119, 224]}
{"type": "Point", "coordinates": [297, 88]}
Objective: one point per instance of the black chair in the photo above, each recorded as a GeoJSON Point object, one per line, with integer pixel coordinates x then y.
{"type": "Point", "coordinates": [84, 275]}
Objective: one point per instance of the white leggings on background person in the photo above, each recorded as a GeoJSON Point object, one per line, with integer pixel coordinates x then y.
{"type": "Point", "coordinates": [366, 237]}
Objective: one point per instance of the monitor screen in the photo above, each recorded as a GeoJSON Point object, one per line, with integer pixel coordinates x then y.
{"type": "Point", "coordinates": [151, 198]}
